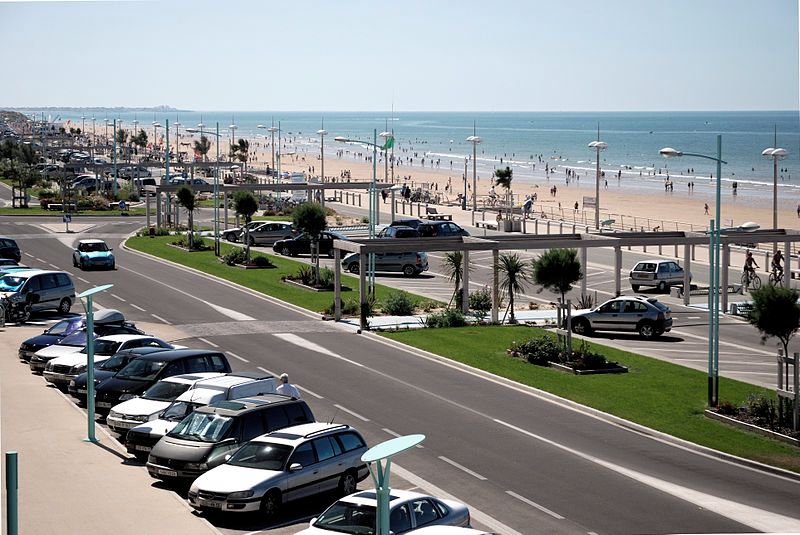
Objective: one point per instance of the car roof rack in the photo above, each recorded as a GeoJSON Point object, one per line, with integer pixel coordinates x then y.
{"type": "Point", "coordinates": [326, 430]}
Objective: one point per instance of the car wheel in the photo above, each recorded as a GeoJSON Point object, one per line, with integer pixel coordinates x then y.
{"type": "Point", "coordinates": [647, 330]}
{"type": "Point", "coordinates": [252, 241]}
{"type": "Point", "coordinates": [662, 286]}
{"type": "Point", "coordinates": [74, 263]}
{"type": "Point", "coordinates": [83, 265]}
{"type": "Point", "coordinates": [271, 503]}
{"type": "Point", "coordinates": [64, 306]}
{"type": "Point", "coordinates": [353, 268]}
{"type": "Point", "coordinates": [635, 287]}
{"type": "Point", "coordinates": [330, 253]}
{"type": "Point", "coordinates": [285, 251]}
{"type": "Point", "coordinates": [347, 483]}
{"type": "Point", "coordinates": [581, 326]}
{"type": "Point", "coordinates": [231, 237]}
{"type": "Point", "coordinates": [409, 271]}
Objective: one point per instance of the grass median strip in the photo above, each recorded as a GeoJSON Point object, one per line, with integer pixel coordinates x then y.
{"type": "Point", "coordinates": [39, 211]}
{"type": "Point", "coordinates": [654, 393]}
{"type": "Point", "coordinates": [266, 281]}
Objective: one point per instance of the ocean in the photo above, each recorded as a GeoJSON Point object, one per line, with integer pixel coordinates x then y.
{"type": "Point", "coordinates": [527, 141]}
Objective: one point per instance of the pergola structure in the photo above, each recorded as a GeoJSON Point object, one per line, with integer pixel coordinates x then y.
{"type": "Point", "coordinates": [583, 242]}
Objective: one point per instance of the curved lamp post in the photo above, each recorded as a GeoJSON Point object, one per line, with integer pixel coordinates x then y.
{"type": "Point", "coordinates": [216, 183]}
{"type": "Point", "coordinates": [776, 154]}
{"type": "Point", "coordinates": [713, 272]}
{"type": "Point", "coordinates": [475, 140]}
{"type": "Point", "coordinates": [322, 133]}
{"type": "Point", "coordinates": [87, 306]}
{"type": "Point", "coordinates": [597, 146]}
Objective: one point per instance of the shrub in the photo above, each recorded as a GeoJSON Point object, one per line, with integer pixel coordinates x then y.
{"type": "Point", "coordinates": [538, 350]}
{"type": "Point", "coordinates": [728, 409]}
{"type": "Point", "coordinates": [234, 256]}
{"type": "Point", "coordinates": [427, 306]}
{"type": "Point", "coordinates": [447, 318]}
{"type": "Point", "coordinates": [399, 304]}
{"type": "Point", "coordinates": [326, 277]}
{"type": "Point", "coordinates": [261, 261]}
{"type": "Point", "coordinates": [349, 307]}
{"type": "Point", "coordinates": [480, 303]}
{"type": "Point", "coordinates": [305, 275]}
{"type": "Point", "coordinates": [762, 410]}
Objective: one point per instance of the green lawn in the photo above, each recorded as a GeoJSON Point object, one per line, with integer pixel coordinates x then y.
{"type": "Point", "coordinates": [654, 393]}
{"type": "Point", "coordinates": [38, 211]}
{"type": "Point", "coordinates": [267, 281]}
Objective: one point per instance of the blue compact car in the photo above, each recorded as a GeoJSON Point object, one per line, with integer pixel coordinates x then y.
{"type": "Point", "coordinates": [93, 253]}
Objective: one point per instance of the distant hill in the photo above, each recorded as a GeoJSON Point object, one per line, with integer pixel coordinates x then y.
{"type": "Point", "coordinates": [162, 108]}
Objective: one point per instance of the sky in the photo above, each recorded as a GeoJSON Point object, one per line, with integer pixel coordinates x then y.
{"type": "Point", "coordinates": [413, 55]}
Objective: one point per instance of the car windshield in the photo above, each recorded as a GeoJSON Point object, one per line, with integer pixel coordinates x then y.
{"type": "Point", "coordinates": [165, 391]}
{"type": "Point", "coordinates": [661, 306]}
{"type": "Point", "coordinates": [141, 370]}
{"type": "Point", "coordinates": [77, 339]}
{"type": "Point", "coordinates": [64, 327]}
{"type": "Point", "coordinates": [202, 427]}
{"type": "Point", "coordinates": [179, 410]}
{"type": "Point", "coordinates": [115, 363]}
{"type": "Point", "coordinates": [261, 455]}
{"type": "Point", "coordinates": [10, 283]}
{"type": "Point", "coordinates": [104, 347]}
{"type": "Point", "coordinates": [92, 247]}
{"type": "Point", "coordinates": [344, 517]}
{"type": "Point", "coordinates": [645, 266]}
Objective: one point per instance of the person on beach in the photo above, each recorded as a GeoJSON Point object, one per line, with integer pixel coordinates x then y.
{"type": "Point", "coordinates": [706, 208]}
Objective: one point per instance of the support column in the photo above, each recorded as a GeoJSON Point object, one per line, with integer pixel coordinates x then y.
{"type": "Point", "coordinates": [787, 275]}
{"type": "Point", "coordinates": [584, 256]}
{"type": "Point", "coordinates": [158, 209]}
{"type": "Point", "coordinates": [495, 285]}
{"type": "Point", "coordinates": [617, 269]}
{"type": "Point", "coordinates": [337, 284]}
{"type": "Point", "coordinates": [465, 284]}
{"type": "Point", "coordinates": [687, 264]}
{"type": "Point", "coordinates": [225, 210]}
{"type": "Point", "coordinates": [362, 288]}
{"type": "Point", "coordinates": [723, 275]}
{"type": "Point", "coordinates": [393, 204]}
{"type": "Point", "coordinates": [147, 208]}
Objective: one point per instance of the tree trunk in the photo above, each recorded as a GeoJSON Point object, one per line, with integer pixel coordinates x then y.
{"type": "Point", "coordinates": [191, 229]}
{"type": "Point", "coordinates": [247, 244]}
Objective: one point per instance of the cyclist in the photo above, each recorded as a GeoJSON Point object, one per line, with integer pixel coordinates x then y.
{"type": "Point", "coordinates": [750, 265]}
{"type": "Point", "coordinates": [777, 268]}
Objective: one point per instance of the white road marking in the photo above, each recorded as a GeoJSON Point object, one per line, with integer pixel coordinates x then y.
{"type": "Point", "coordinates": [234, 355]}
{"type": "Point", "coordinates": [53, 266]}
{"type": "Point", "coordinates": [29, 254]}
{"type": "Point", "coordinates": [41, 260]}
{"type": "Point", "coordinates": [420, 446]}
{"type": "Point", "coordinates": [138, 307]}
{"type": "Point", "coordinates": [723, 343]}
{"type": "Point", "coordinates": [348, 411]}
{"type": "Point", "coordinates": [758, 519]}
{"type": "Point", "coordinates": [693, 318]}
{"type": "Point", "coordinates": [115, 296]}
{"type": "Point", "coordinates": [263, 369]}
{"type": "Point", "coordinates": [462, 468]}
{"type": "Point", "coordinates": [305, 344]}
{"type": "Point", "coordinates": [234, 315]}
{"type": "Point", "coordinates": [542, 508]}
{"type": "Point", "coordinates": [159, 318]}
{"type": "Point", "coordinates": [209, 342]}
{"type": "Point", "coordinates": [307, 391]}
{"type": "Point", "coordinates": [83, 280]}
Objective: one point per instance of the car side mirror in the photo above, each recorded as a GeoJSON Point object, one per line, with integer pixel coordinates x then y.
{"type": "Point", "coordinates": [228, 457]}
{"type": "Point", "coordinates": [295, 467]}
{"type": "Point", "coordinates": [311, 522]}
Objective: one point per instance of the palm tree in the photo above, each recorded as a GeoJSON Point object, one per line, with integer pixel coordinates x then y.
{"type": "Point", "coordinates": [503, 178]}
{"type": "Point", "coordinates": [202, 147]}
{"type": "Point", "coordinates": [453, 268]}
{"type": "Point", "coordinates": [243, 150]}
{"type": "Point", "coordinates": [310, 219]}
{"type": "Point", "coordinates": [514, 277]}
{"type": "Point", "coordinates": [140, 140]}
{"type": "Point", "coordinates": [245, 204]}
{"type": "Point", "coordinates": [27, 155]}
{"type": "Point", "coordinates": [122, 138]}
{"type": "Point", "coordinates": [186, 198]}
{"type": "Point", "coordinates": [557, 270]}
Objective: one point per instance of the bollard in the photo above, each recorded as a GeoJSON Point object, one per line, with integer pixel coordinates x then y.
{"type": "Point", "coordinates": [12, 489]}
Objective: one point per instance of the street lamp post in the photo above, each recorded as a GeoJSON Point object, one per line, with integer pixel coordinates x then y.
{"type": "Point", "coordinates": [90, 356]}
{"type": "Point", "coordinates": [598, 146]}
{"type": "Point", "coordinates": [475, 140]}
{"type": "Point", "coordinates": [216, 184]}
{"type": "Point", "coordinates": [177, 139]}
{"type": "Point", "coordinates": [713, 272]}
{"type": "Point", "coordinates": [776, 154]}
{"type": "Point", "coordinates": [322, 133]}
{"type": "Point", "coordinates": [156, 125]}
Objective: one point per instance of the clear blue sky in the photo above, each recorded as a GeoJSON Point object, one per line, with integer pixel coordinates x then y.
{"type": "Point", "coordinates": [471, 55]}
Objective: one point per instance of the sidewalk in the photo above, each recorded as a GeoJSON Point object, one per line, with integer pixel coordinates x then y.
{"type": "Point", "coordinates": [67, 485]}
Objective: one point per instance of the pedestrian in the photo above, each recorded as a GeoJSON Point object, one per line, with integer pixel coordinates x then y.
{"type": "Point", "coordinates": [286, 388]}
{"type": "Point", "coordinates": [576, 206]}
{"type": "Point", "coordinates": [706, 208]}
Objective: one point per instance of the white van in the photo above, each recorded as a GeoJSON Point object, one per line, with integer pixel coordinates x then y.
{"type": "Point", "coordinates": [141, 439]}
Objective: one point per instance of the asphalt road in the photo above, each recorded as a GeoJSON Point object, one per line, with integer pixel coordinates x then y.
{"type": "Point", "coordinates": [523, 463]}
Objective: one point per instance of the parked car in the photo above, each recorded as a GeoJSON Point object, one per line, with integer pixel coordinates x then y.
{"type": "Point", "coordinates": [158, 397]}
{"type": "Point", "coordinates": [233, 234]}
{"type": "Point", "coordinates": [11, 263]}
{"type": "Point", "coordinates": [90, 184]}
{"type": "Point", "coordinates": [63, 364]}
{"type": "Point", "coordinates": [142, 373]}
{"type": "Point", "coordinates": [267, 233]}
{"type": "Point", "coordinates": [302, 244]}
{"type": "Point", "coordinates": [411, 222]}
{"type": "Point", "coordinates": [93, 253]}
{"type": "Point", "coordinates": [203, 439]}
{"type": "Point", "coordinates": [659, 274]}
{"type": "Point", "coordinates": [283, 466]}
{"type": "Point", "coordinates": [45, 290]}
{"type": "Point", "coordinates": [647, 316]}
{"type": "Point", "coordinates": [409, 264]}
{"type": "Point", "coordinates": [73, 332]}
{"type": "Point", "coordinates": [106, 369]}
{"type": "Point", "coordinates": [407, 511]}
{"type": "Point", "coordinates": [9, 249]}
{"type": "Point", "coordinates": [135, 172]}
{"type": "Point", "coordinates": [398, 231]}
{"type": "Point", "coordinates": [141, 439]}
{"type": "Point", "coordinates": [440, 229]}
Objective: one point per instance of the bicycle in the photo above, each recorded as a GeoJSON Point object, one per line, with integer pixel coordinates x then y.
{"type": "Point", "coordinates": [751, 279]}
{"type": "Point", "coordinates": [776, 277]}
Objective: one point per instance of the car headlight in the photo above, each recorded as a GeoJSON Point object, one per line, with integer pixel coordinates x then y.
{"type": "Point", "coordinates": [113, 414]}
{"type": "Point", "coordinates": [72, 382]}
{"type": "Point", "coordinates": [196, 466]}
{"type": "Point", "coordinates": [49, 366]}
{"type": "Point", "coordinates": [126, 397]}
{"type": "Point", "coordinates": [242, 495]}
{"type": "Point", "coordinates": [16, 298]}
{"type": "Point", "coordinates": [75, 370]}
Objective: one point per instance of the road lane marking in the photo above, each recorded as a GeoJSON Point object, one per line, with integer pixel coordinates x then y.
{"type": "Point", "coordinates": [115, 296]}
{"type": "Point", "coordinates": [263, 369]}
{"type": "Point", "coordinates": [233, 314]}
{"type": "Point", "coordinates": [305, 344]}
{"type": "Point", "coordinates": [753, 517]}
{"type": "Point", "coordinates": [234, 355]}
{"type": "Point", "coordinates": [723, 343]}
{"type": "Point", "coordinates": [159, 318]}
{"type": "Point", "coordinates": [29, 254]}
{"type": "Point", "coordinates": [462, 468]}
{"type": "Point", "coordinates": [83, 280]}
{"type": "Point", "coordinates": [53, 266]}
{"type": "Point", "coordinates": [348, 411]}
{"type": "Point", "coordinates": [41, 260]}
{"type": "Point", "coordinates": [137, 307]}
{"type": "Point", "coordinates": [398, 435]}
{"type": "Point", "coordinates": [209, 342]}
{"type": "Point", "coordinates": [307, 391]}
{"type": "Point", "coordinates": [542, 508]}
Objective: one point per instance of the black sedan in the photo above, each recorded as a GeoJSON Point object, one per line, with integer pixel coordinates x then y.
{"type": "Point", "coordinates": [302, 244]}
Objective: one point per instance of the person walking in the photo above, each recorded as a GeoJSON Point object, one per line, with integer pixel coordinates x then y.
{"type": "Point", "coordinates": [286, 388]}
{"type": "Point", "coordinates": [706, 208]}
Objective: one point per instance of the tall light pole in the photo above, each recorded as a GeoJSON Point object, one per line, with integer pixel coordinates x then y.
{"type": "Point", "coordinates": [105, 140]}
{"type": "Point", "coordinates": [386, 135]}
{"type": "Point", "coordinates": [597, 146]}
{"type": "Point", "coordinates": [83, 125]}
{"type": "Point", "coordinates": [272, 131]}
{"type": "Point", "coordinates": [713, 273]}
{"type": "Point", "coordinates": [177, 138]}
{"type": "Point", "coordinates": [156, 125]}
{"type": "Point", "coordinates": [322, 133]}
{"type": "Point", "coordinates": [776, 154]}
{"type": "Point", "coordinates": [216, 184]}
{"type": "Point", "coordinates": [475, 140]}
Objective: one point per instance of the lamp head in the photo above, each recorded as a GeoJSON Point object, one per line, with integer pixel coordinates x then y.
{"type": "Point", "coordinates": [272, 129]}
{"type": "Point", "coordinates": [474, 139]}
{"type": "Point", "coordinates": [599, 145]}
{"type": "Point", "coordinates": [322, 132]}
{"type": "Point", "coordinates": [385, 135]}
{"type": "Point", "coordinates": [341, 139]}
{"type": "Point", "coordinates": [669, 152]}
{"type": "Point", "coordinates": [749, 226]}
{"type": "Point", "coordinates": [774, 153]}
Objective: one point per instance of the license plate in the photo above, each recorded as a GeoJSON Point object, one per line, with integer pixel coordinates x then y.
{"type": "Point", "coordinates": [81, 391]}
{"type": "Point", "coordinates": [101, 404]}
{"type": "Point", "coordinates": [139, 447]}
{"type": "Point", "coordinates": [123, 425]}
{"type": "Point", "coordinates": [168, 473]}
{"type": "Point", "coordinates": [209, 504]}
